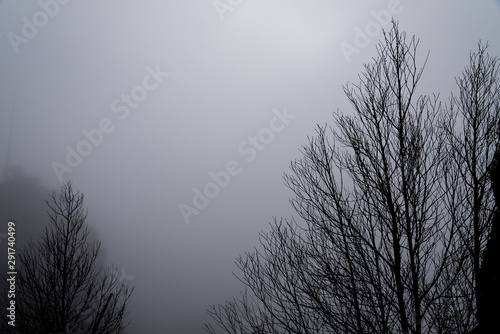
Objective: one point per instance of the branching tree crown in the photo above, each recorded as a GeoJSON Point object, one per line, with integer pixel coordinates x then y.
{"type": "Point", "coordinates": [59, 287]}
{"type": "Point", "coordinates": [386, 245]}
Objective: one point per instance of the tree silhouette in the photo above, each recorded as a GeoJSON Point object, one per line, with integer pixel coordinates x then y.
{"type": "Point", "coordinates": [488, 308]}
{"type": "Point", "coordinates": [475, 112]}
{"type": "Point", "coordinates": [384, 246]}
{"type": "Point", "coordinates": [59, 286]}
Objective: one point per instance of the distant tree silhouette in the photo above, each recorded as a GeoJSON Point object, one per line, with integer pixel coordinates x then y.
{"type": "Point", "coordinates": [59, 286]}
{"type": "Point", "coordinates": [22, 200]}
{"type": "Point", "coordinates": [389, 241]}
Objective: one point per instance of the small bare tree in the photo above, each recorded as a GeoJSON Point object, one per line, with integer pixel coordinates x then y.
{"type": "Point", "coordinates": [59, 287]}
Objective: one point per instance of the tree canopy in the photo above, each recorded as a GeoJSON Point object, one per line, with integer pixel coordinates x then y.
{"type": "Point", "coordinates": [395, 208]}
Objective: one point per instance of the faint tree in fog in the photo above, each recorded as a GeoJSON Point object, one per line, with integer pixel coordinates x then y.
{"type": "Point", "coordinates": [59, 286]}
{"type": "Point", "coordinates": [22, 200]}
{"type": "Point", "coordinates": [382, 247]}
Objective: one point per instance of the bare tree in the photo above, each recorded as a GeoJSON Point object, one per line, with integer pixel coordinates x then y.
{"type": "Point", "coordinates": [488, 280]}
{"type": "Point", "coordinates": [379, 250]}
{"type": "Point", "coordinates": [472, 126]}
{"type": "Point", "coordinates": [59, 286]}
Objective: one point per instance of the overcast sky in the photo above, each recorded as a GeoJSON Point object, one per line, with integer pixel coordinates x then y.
{"type": "Point", "coordinates": [177, 119]}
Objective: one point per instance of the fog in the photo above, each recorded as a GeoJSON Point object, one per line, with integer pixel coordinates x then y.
{"type": "Point", "coordinates": [177, 120]}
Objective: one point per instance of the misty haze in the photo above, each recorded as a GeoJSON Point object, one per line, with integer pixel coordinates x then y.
{"type": "Point", "coordinates": [338, 158]}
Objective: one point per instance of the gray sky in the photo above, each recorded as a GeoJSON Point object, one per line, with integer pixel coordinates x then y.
{"type": "Point", "coordinates": [246, 84]}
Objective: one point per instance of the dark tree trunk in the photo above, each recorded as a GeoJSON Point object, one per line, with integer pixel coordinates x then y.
{"type": "Point", "coordinates": [488, 305]}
